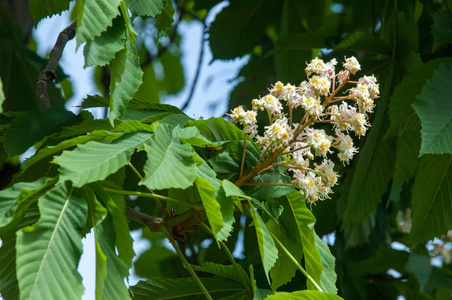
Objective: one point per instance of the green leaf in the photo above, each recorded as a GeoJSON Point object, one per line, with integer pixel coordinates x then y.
{"type": "Point", "coordinates": [263, 192]}
{"type": "Point", "coordinates": [191, 135]}
{"type": "Point", "coordinates": [93, 18]}
{"type": "Point", "coordinates": [401, 113]}
{"type": "Point", "coordinates": [284, 269]}
{"type": "Point", "coordinates": [408, 145]}
{"type": "Point", "coordinates": [173, 288]}
{"type": "Point", "coordinates": [49, 251]}
{"type": "Point", "coordinates": [305, 221]}
{"type": "Point", "coordinates": [9, 288]}
{"type": "Point", "coordinates": [212, 207]}
{"type": "Point", "coordinates": [94, 161]}
{"type": "Point", "coordinates": [102, 49]}
{"type": "Point", "coordinates": [433, 106]}
{"type": "Point", "coordinates": [267, 247]}
{"type": "Point", "coordinates": [328, 277]}
{"type": "Point", "coordinates": [226, 205]}
{"type": "Point", "coordinates": [126, 78]}
{"type": "Point", "coordinates": [236, 272]}
{"type": "Point", "coordinates": [374, 166]}
{"type": "Point", "coordinates": [441, 28]}
{"type": "Point", "coordinates": [218, 129]}
{"type": "Point", "coordinates": [41, 9]}
{"type": "Point", "coordinates": [30, 127]}
{"type": "Point", "coordinates": [431, 203]}
{"type": "Point", "coordinates": [98, 135]}
{"type": "Point", "coordinates": [15, 199]}
{"type": "Point", "coordinates": [430, 278]}
{"type": "Point", "coordinates": [170, 163]}
{"type": "Point", "coordinates": [304, 295]}
{"type": "Point", "coordinates": [146, 8]}
{"type": "Point", "coordinates": [117, 270]}
{"type": "Point", "coordinates": [360, 41]}
{"type": "Point", "coordinates": [300, 41]}
{"type": "Point", "coordinates": [165, 19]}
{"type": "Point", "coordinates": [115, 204]}
{"type": "Point", "coordinates": [250, 20]}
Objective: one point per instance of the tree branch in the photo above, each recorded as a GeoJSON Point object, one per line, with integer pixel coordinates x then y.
{"type": "Point", "coordinates": [198, 70]}
{"type": "Point", "coordinates": [49, 73]}
{"type": "Point", "coordinates": [141, 218]}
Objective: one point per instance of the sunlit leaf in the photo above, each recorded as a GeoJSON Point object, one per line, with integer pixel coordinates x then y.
{"type": "Point", "coordinates": [117, 270]}
{"type": "Point", "coordinates": [170, 163]}
{"type": "Point", "coordinates": [49, 251]}
{"type": "Point", "coordinates": [94, 161]}
{"type": "Point", "coordinates": [102, 49]}
{"type": "Point", "coordinates": [126, 77]}
{"type": "Point", "coordinates": [304, 295]}
{"type": "Point", "coordinates": [148, 8]}
{"type": "Point", "coordinates": [212, 207]}
{"type": "Point", "coordinates": [93, 17]}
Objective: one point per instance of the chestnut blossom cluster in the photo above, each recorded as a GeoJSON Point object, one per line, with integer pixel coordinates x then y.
{"type": "Point", "coordinates": [303, 145]}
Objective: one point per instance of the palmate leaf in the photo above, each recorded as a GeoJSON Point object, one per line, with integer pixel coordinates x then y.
{"type": "Point", "coordinates": [218, 129]}
{"type": "Point", "coordinates": [94, 161]}
{"type": "Point", "coordinates": [93, 17]}
{"type": "Point", "coordinates": [174, 288]}
{"type": "Point", "coordinates": [432, 206]}
{"type": "Point", "coordinates": [433, 106]}
{"type": "Point", "coordinates": [48, 252]}
{"type": "Point", "coordinates": [360, 41]}
{"type": "Point", "coordinates": [126, 78]}
{"type": "Point", "coordinates": [102, 49]}
{"type": "Point", "coordinates": [170, 163]}
{"type": "Point", "coordinates": [165, 19]}
{"type": "Point", "coordinates": [41, 9]}
{"type": "Point", "coordinates": [304, 295]}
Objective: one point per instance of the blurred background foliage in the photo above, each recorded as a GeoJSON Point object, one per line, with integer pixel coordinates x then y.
{"type": "Point", "coordinates": [392, 201]}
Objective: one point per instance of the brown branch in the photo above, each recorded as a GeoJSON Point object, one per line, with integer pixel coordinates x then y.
{"type": "Point", "coordinates": [49, 73]}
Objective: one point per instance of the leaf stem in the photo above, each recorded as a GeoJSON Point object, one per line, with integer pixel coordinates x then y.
{"type": "Point", "coordinates": [243, 157]}
{"type": "Point", "coordinates": [155, 196]}
{"type": "Point", "coordinates": [186, 264]}
{"type": "Point", "coordinates": [296, 263]}
{"type": "Point", "coordinates": [157, 201]}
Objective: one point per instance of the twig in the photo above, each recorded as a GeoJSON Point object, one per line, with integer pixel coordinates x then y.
{"type": "Point", "coordinates": [198, 69]}
{"type": "Point", "coordinates": [49, 73]}
{"type": "Point", "coordinates": [243, 157]}
{"type": "Point", "coordinates": [186, 264]}
{"type": "Point", "coordinates": [141, 218]}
